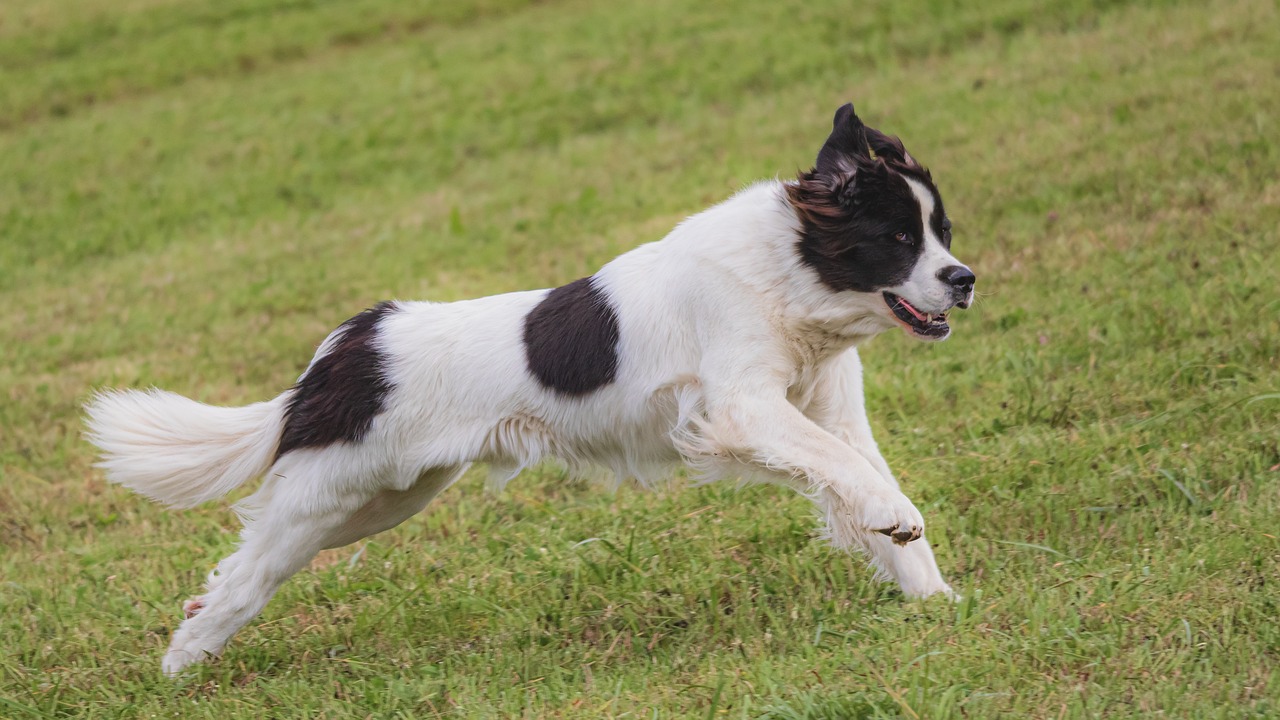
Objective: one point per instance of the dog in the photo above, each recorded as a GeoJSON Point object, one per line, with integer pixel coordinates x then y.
{"type": "Point", "coordinates": [729, 346]}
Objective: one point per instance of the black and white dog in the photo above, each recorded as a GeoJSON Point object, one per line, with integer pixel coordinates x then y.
{"type": "Point", "coordinates": [728, 346]}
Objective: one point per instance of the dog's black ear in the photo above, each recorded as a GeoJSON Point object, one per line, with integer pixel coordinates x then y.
{"type": "Point", "coordinates": [846, 145]}
{"type": "Point", "coordinates": [889, 148]}
{"type": "Point", "coordinates": [868, 180]}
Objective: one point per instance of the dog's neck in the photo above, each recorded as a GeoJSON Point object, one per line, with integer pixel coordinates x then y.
{"type": "Point", "coordinates": [810, 313]}
{"type": "Point", "coordinates": [815, 338]}
{"type": "Point", "coordinates": [753, 239]}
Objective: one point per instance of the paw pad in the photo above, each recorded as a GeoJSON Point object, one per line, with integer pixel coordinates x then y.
{"type": "Point", "coordinates": [192, 607]}
{"type": "Point", "coordinates": [900, 535]}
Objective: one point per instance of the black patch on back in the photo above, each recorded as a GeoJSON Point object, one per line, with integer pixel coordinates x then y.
{"type": "Point", "coordinates": [340, 394]}
{"type": "Point", "coordinates": [571, 339]}
{"type": "Point", "coordinates": [852, 205]}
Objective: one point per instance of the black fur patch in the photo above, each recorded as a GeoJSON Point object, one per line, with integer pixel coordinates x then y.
{"type": "Point", "coordinates": [571, 339]}
{"type": "Point", "coordinates": [852, 206]}
{"type": "Point", "coordinates": [340, 394]}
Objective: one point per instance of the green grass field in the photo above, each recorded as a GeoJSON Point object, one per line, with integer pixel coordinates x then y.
{"type": "Point", "coordinates": [192, 194]}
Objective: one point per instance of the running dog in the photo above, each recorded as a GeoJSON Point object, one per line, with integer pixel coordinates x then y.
{"type": "Point", "coordinates": [728, 346]}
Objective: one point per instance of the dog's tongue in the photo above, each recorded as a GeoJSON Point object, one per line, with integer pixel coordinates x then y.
{"type": "Point", "coordinates": [919, 315]}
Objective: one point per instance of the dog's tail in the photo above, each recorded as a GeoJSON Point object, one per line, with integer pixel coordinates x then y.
{"type": "Point", "coordinates": [180, 452]}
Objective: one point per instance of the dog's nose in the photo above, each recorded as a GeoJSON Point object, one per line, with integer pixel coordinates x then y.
{"type": "Point", "coordinates": [959, 277]}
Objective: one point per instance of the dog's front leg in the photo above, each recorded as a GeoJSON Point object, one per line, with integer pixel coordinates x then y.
{"type": "Point", "coordinates": [762, 429]}
{"type": "Point", "coordinates": [837, 405]}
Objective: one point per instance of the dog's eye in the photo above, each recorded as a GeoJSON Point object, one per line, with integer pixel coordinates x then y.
{"type": "Point", "coordinates": [902, 237]}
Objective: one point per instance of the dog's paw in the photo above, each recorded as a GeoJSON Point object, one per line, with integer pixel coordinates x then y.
{"type": "Point", "coordinates": [893, 515]}
{"type": "Point", "coordinates": [901, 534]}
{"type": "Point", "coordinates": [178, 659]}
{"type": "Point", "coordinates": [175, 661]}
{"type": "Point", "coordinates": [926, 590]}
{"type": "Point", "coordinates": [186, 649]}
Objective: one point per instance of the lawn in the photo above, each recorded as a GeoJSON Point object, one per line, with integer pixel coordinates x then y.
{"type": "Point", "coordinates": [192, 194]}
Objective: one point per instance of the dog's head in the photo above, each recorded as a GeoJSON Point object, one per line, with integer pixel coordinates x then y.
{"type": "Point", "coordinates": [873, 223]}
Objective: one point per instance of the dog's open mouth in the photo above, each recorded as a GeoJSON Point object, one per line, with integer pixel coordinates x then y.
{"type": "Point", "coordinates": [922, 324]}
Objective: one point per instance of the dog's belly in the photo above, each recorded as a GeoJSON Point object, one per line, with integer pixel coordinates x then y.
{"type": "Point", "coordinates": [632, 440]}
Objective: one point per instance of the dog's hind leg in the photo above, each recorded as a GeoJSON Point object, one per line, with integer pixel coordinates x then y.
{"type": "Point", "coordinates": [384, 511]}
{"type": "Point", "coordinates": [277, 543]}
{"type": "Point", "coordinates": [295, 524]}
{"type": "Point", "coordinates": [389, 508]}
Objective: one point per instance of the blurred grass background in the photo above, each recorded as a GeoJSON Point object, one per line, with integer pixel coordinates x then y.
{"type": "Point", "coordinates": [192, 194]}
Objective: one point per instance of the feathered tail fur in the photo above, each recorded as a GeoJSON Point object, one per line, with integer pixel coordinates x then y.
{"type": "Point", "coordinates": [180, 452]}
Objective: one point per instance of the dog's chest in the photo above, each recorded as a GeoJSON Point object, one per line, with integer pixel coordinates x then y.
{"type": "Point", "coordinates": [804, 384]}
{"type": "Point", "coordinates": [810, 346]}
{"type": "Point", "coordinates": [812, 352]}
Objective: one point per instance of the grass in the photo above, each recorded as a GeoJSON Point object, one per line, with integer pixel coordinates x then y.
{"type": "Point", "coordinates": [192, 194]}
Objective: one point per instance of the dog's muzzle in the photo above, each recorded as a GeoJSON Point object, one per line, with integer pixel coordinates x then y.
{"type": "Point", "coordinates": [961, 280]}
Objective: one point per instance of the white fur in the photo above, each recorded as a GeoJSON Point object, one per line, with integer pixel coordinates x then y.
{"type": "Point", "coordinates": [178, 451]}
{"type": "Point", "coordinates": [734, 359]}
